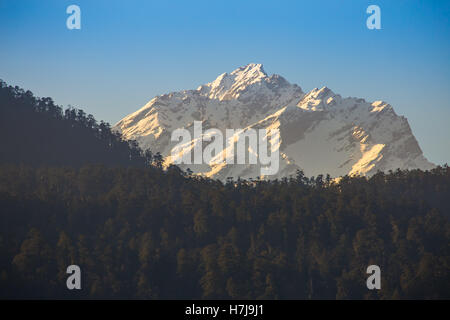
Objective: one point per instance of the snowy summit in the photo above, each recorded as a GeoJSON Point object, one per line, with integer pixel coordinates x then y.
{"type": "Point", "coordinates": [321, 132]}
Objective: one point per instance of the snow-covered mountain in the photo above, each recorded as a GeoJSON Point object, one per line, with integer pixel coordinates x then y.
{"type": "Point", "coordinates": [320, 132]}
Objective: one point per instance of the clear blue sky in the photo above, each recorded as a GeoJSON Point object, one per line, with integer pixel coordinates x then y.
{"type": "Point", "coordinates": [129, 51]}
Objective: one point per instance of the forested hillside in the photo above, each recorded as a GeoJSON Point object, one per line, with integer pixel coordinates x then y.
{"type": "Point", "coordinates": [36, 131]}
{"type": "Point", "coordinates": [72, 192]}
{"type": "Point", "coordinates": [143, 233]}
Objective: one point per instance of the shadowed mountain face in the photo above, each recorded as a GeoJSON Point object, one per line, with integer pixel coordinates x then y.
{"type": "Point", "coordinates": [321, 132]}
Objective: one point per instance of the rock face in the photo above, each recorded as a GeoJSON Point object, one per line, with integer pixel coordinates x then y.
{"type": "Point", "coordinates": [320, 132]}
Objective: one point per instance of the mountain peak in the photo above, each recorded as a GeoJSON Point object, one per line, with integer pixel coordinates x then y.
{"type": "Point", "coordinates": [228, 86]}
{"type": "Point", "coordinates": [251, 69]}
{"type": "Point", "coordinates": [321, 93]}
{"type": "Point", "coordinates": [319, 130]}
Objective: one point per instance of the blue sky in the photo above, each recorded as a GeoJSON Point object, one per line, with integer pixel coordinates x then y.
{"type": "Point", "coordinates": [129, 51]}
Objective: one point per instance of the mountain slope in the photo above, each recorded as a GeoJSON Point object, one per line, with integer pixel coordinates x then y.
{"type": "Point", "coordinates": [320, 132]}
